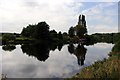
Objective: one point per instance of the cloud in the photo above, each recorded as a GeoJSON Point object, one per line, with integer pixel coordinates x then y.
{"type": "Point", "coordinates": [20, 13]}
{"type": "Point", "coordinates": [102, 29]}
{"type": "Point", "coordinates": [102, 9]}
{"type": "Point", "coordinates": [60, 15]}
{"type": "Point", "coordinates": [102, 18]}
{"type": "Point", "coordinates": [97, 0]}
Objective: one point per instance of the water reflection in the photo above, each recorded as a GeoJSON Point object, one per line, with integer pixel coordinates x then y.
{"type": "Point", "coordinates": [40, 51]}
{"type": "Point", "coordinates": [8, 47]}
{"type": "Point", "coordinates": [79, 52]}
{"type": "Point", "coordinates": [60, 45]}
{"type": "Point", "coordinates": [64, 63]}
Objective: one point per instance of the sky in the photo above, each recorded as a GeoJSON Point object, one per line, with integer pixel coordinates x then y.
{"type": "Point", "coordinates": [101, 15]}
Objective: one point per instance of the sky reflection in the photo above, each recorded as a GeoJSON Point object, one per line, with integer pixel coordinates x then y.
{"type": "Point", "coordinates": [59, 64]}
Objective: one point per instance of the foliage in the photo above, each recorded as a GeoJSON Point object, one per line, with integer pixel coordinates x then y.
{"type": "Point", "coordinates": [116, 37]}
{"type": "Point", "coordinates": [71, 32]}
{"type": "Point", "coordinates": [101, 69]}
{"type": "Point", "coordinates": [81, 30]}
{"type": "Point", "coordinates": [65, 38]}
{"type": "Point", "coordinates": [42, 31]}
{"type": "Point", "coordinates": [116, 48]}
{"type": "Point", "coordinates": [53, 34]}
{"type": "Point", "coordinates": [97, 37]}
{"type": "Point", "coordinates": [60, 36]}
{"type": "Point", "coordinates": [106, 37]}
{"type": "Point", "coordinates": [90, 40]}
{"type": "Point", "coordinates": [106, 69]}
{"type": "Point", "coordinates": [6, 38]}
{"type": "Point", "coordinates": [39, 31]}
{"type": "Point", "coordinates": [28, 31]}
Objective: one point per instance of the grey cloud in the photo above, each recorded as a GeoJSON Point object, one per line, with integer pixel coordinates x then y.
{"type": "Point", "coordinates": [31, 4]}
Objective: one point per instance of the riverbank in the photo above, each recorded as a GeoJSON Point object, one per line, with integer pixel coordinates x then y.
{"type": "Point", "coordinates": [108, 68]}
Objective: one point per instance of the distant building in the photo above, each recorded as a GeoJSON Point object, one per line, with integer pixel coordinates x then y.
{"type": "Point", "coordinates": [82, 20]}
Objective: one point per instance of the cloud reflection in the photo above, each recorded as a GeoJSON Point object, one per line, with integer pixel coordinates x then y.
{"type": "Point", "coordinates": [59, 64]}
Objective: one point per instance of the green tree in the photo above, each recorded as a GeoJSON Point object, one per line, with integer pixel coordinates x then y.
{"type": "Point", "coordinates": [28, 31]}
{"type": "Point", "coordinates": [60, 36]}
{"type": "Point", "coordinates": [53, 34]}
{"type": "Point", "coordinates": [71, 32]}
{"type": "Point", "coordinates": [65, 34]}
{"type": "Point", "coordinates": [8, 37]}
{"type": "Point", "coordinates": [81, 31]}
{"type": "Point", "coordinates": [42, 31]}
{"type": "Point", "coordinates": [116, 47]}
{"type": "Point", "coordinates": [25, 32]}
{"type": "Point", "coordinates": [65, 37]}
{"type": "Point", "coordinates": [116, 37]}
{"type": "Point", "coordinates": [39, 31]}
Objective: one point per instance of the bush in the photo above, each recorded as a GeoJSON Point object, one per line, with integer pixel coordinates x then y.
{"type": "Point", "coordinates": [116, 47]}
{"type": "Point", "coordinates": [8, 37]}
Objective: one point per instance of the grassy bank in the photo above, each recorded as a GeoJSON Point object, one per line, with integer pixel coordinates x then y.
{"type": "Point", "coordinates": [108, 68]}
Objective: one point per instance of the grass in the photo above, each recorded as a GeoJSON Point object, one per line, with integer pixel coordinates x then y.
{"type": "Point", "coordinates": [108, 68]}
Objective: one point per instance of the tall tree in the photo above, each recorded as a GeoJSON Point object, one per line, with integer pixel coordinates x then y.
{"type": "Point", "coordinates": [81, 31]}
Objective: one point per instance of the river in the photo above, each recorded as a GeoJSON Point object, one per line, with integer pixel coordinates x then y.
{"type": "Point", "coordinates": [60, 62]}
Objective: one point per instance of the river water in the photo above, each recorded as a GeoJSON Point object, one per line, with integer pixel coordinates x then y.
{"type": "Point", "coordinates": [40, 62]}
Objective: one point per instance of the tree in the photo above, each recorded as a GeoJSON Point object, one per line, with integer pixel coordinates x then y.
{"type": "Point", "coordinates": [116, 47]}
{"type": "Point", "coordinates": [53, 34]}
{"type": "Point", "coordinates": [116, 37]}
{"type": "Point", "coordinates": [25, 32]}
{"type": "Point", "coordinates": [65, 34]}
{"type": "Point", "coordinates": [28, 31]}
{"type": "Point", "coordinates": [71, 32]}
{"type": "Point", "coordinates": [39, 31]}
{"type": "Point", "coordinates": [42, 31]}
{"type": "Point", "coordinates": [81, 31]}
{"type": "Point", "coordinates": [65, 37]}
{"type": "Point", "coordinates": [8, 37]}
{"type": "Point", "coordinates": [60, 35]}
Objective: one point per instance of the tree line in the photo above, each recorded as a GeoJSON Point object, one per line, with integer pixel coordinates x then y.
{"type": "Point", "coordinates": [41, 33]}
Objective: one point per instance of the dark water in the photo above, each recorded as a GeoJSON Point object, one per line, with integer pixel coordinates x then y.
{"type": "Point", "coordinates": [36, 61]}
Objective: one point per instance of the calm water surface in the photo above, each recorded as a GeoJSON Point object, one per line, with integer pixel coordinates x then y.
{"type": "Point", "coordinates": [62, 62]}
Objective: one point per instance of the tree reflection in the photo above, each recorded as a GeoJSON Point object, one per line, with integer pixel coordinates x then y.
{"type": "Point", "coordinates": [53, 47]}
{"type": "Point", "coordinates": [71, 48]}
{"type": "Point", "coordinates": [79, 52]}
{"type": "Point", "coordinates": [40, 51]}
{"type": "Point", "coordinates": [60, 45]}
{"type": "Point", "coordinates": [8, 47]}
